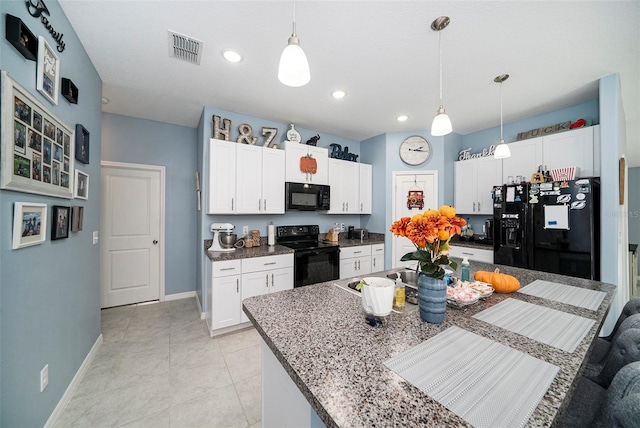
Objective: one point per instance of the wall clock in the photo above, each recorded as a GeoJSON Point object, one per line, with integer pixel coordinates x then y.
{"type": "Point", "coordinates": [415, 150]}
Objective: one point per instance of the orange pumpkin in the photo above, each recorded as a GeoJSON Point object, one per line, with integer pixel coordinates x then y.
{"type": "Point", "coordinates": [448, 211]}
{"type": "Point", "coordinates": [501, 282]}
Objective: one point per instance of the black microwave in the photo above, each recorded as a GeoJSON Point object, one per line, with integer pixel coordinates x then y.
{"type": "Point", "coordinates": [307, 197]}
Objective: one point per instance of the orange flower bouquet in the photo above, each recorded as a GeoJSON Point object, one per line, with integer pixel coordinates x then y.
{"type": "Point", "coordinates": [430, 232]}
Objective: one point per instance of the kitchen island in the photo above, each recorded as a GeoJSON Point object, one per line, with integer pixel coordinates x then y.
{"type": "Point", "coordinates": [319, 337]}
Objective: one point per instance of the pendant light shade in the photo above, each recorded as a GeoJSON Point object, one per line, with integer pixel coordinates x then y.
{"type": "Point", "coordinates": [441, 124]}
{"type": "Point", "coordinates": [294, 67]}
{"type": "Point", "coordinates": [502, 151]}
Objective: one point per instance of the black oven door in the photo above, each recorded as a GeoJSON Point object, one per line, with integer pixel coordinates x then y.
{"type": "Point", "coordinates": [316, 265]}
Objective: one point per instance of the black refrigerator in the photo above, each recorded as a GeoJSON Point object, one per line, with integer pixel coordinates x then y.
{"type": "Point", "coordinates": [565, 219]}
{"type": "Point", "coordinates": [511, 225]}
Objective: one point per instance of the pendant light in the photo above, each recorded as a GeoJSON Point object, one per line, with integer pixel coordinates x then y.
{"type": "Point", "coordinates": [502, 150]}
{"type": "Point", "coordinates": [441, 123]}
{"type": "Point", "coordinates": [294, 67]}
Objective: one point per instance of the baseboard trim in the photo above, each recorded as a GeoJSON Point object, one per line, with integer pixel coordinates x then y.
{"type": "Point", "coordinates": [178, 296]}
{"type": "Point", "coordinates": [71, 389]}
{"type": "Point", "coordinates": [203, 315]}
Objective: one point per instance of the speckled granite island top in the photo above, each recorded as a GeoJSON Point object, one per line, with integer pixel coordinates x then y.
{"type": "Point", "coordinates": [319, 335]}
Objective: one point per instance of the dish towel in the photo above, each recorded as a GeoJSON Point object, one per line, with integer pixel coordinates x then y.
{"type": "Point", "coordinates": [476, 377]}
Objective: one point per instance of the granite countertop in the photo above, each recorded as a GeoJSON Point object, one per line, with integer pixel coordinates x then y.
{"type": "Point", "coordinates": [265, 250]}
{"type": "Point", "coordinates": [321, 339]}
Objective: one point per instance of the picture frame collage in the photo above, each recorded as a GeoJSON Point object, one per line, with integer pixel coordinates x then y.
{"type": "Point", "coordinates": [37, 151]}
{"type": "Point", "coordinates": [38, 155]}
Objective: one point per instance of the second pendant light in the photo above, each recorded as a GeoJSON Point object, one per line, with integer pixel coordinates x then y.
{"type": "Point", "coordinates": [441, 124]}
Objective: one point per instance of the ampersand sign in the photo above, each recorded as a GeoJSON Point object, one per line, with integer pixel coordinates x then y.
{"type": "Point", "coordinates": [246, 134]}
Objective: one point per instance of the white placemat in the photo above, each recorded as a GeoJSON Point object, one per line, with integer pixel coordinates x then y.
{"type": "Point", "coordinates": [575, 296]}
{"type": "Point", "coordinates": [484, 382]}
{"type": "Point", "coordinates": [549, 326]}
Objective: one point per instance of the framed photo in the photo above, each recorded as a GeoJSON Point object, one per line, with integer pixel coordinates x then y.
{"type": "Point", "coordinates": [60, 222]}
{"type": "Point", "coordinates": [29, 224]}
{"type": "Point", "coordinates": [81, 190]}
{"type": "Point", "coordinates": [48, 78]}
{"type": "Point", "coordinates": [77, 213]}
{"type": "Point", "coordinates": [37, 151]}
{"type": "Point", "coordinates": [82, 144]}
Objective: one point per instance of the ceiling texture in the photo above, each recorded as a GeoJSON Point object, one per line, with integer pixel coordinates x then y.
{"type": "Point", "coordinates": [383, 54]}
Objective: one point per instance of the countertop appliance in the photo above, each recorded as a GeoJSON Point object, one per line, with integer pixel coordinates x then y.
{"type": "Point", "coordinates": [314, 261]}
{"type": "Point", "coordinates": [307, 197]}
{"type": "Point", "coordinates": [566, 227]}
{"type": "Point", "coordinates": [361, 234]}
{"type": "Point", "coordinates": [511, 224]}
{"type": "Point", "coordinates": [223, 237]}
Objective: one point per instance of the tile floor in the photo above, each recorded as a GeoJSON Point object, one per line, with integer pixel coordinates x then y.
{"type": "Point", "coordinates": [158, 367]}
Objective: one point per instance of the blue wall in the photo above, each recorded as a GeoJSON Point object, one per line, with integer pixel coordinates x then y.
{"type": "Point", "coordinates": [634, 205]}
{"type": "Point", "coordinates": [131, 140]}
{"type": "Point", "coordinates": [49, 293]}
{"type": "Point", "coordinates": [259, 222]}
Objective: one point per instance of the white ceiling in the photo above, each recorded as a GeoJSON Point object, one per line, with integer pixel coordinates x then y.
{"type": "Point", "coordinates": [382, 53]}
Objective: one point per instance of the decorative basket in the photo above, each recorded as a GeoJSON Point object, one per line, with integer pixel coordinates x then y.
{"type": "Point", "coordinates": [565, 174]}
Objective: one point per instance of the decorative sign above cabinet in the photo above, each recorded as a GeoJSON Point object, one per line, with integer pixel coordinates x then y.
{"type": "Point", "coordinates": [546, 130]}
{"type": "Point", "coordinates": [245, 132]}
{"type": "Point", "coordinates": [338, 153]}
{"type": "Point", "coordinates": [466, 153]}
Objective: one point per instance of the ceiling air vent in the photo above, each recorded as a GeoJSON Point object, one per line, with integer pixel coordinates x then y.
{"type": "Point", "coordinates": [184, 48]}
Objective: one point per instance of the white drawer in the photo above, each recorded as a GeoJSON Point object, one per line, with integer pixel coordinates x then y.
{"type": "Point", "coordinates": [256, 264]}
{"type": "Point", "coordinates": [477, 254]}
{"type": "Point", "coordinates": [377, 249]}
{"type": "Point", "coordinates": [226, 268]}
{"type": "Point", "coordinates": [359, 251]}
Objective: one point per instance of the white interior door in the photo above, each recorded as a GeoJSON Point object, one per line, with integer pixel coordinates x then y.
{"type": "Point", "coordinates": [132, 229]}
{"type": "Point", "coordinates": [405, 183]}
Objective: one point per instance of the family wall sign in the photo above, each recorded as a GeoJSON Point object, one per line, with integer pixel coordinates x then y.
{"type": "Point", "coordinates": [38, 9]}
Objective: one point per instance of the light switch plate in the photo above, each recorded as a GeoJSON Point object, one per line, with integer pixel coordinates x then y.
{"type": "Point", "coordinates": [95, 237]}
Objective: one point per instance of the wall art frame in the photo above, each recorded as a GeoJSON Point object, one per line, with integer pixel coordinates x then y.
{"type": "Point", "coordinates": [19, 35]}
{"type": "Point", "coordinates": [36, 151]}
{"type": "Point", "coordinates": [82, 144]}
{"type": "Point", "coordinates": [77, 215]}
{"type": "Point", "coordinates": [48, 77]}
{"type": "Point", "coordinates": [29, 224]}
{"type": "Point", "coordinates": [60, 217]}
{"type": "Point", "coordinates": [81, 188]}
{"type": "Point", "coordinates": [69, 90]}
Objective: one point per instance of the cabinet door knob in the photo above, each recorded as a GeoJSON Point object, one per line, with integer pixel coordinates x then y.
{"type": "Point", "coordinates": [155, 241]}
{"type": "Point", "coordinates": [266, 280]}
{"type": "Point", "coordinates": [237, 285]}
{"type": "Point", "coordinates": [478, 206]}
{"type": "Point", "coordinates": [272, 282]}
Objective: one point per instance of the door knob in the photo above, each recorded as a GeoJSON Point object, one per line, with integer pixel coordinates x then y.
{"type": "Point", "coordinates": [155, 241]}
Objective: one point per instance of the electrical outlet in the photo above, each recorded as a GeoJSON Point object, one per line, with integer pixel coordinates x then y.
{"type": "Point", "coordinates": [44, 377]}
{"type": "Point", "coordinates": [95, 237]}
{"type": "Point", "coordinates": [245, 230]}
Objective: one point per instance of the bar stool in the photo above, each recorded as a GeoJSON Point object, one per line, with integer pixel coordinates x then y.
{"type": "Point", "coordinates": [625, 350]}
{"type": "Point", "coordinates": [602, 346]}
{"type": "Point", "coordinates": [632, 307]}
{"type": "Point", "coordinates": [594, 406]}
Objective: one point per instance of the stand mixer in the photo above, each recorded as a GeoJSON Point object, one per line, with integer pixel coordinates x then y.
{"type": "Point", "coordinates": [223, 239]}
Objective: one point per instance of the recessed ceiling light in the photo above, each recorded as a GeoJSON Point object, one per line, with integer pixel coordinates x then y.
{"type": "Point", "coordinates": [231, 56]}
{"type": "Point", "coordinates": [338, 94]}
{"type": "Point", "coordinates": [402, 118]}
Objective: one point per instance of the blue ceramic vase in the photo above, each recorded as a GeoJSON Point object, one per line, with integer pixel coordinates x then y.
{"type": "Point", "coordinates": [432, 298]}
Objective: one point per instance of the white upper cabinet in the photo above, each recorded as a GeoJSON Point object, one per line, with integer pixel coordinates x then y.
{"type": "Point", "coordinates": [578, 147]}
{"type": "Point", "coordinates": [297, 151]}
{"type": "Point", "coordinates": [474, 180]}
{"type": "Point", "coordinates": [222, 177]}
{"type": "Point", "coordinates": [366, 183]}
{"type": "Point", "coordinates": [525, 158]}
{"type": "Point", "coordinates": [350, 187]}
{"type": "Point", "coordinates": [245, 179]}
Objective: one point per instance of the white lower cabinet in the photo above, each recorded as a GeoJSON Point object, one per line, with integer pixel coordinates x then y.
{"type": "Point", "coordinates": [223, 280]}
{"type": "Point", "coordinates": [355, 261]}
{"type": "Point", "coordinates": [477, 254]}
{"type": "Point", "coordinates": [377, 257]}
{"type": "Point", "coordinates": [262, 275]}
{"type": "Point", "coordinates": [231, 281]}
